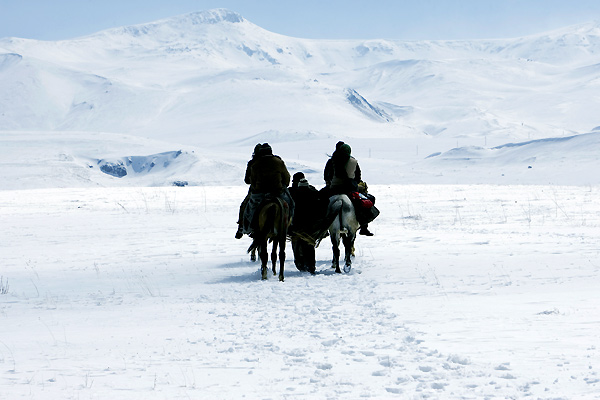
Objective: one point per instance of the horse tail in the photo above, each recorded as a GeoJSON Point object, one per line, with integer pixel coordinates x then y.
{"type": "Point", "coordinates": [268, 224]}
{"type": "Point", "coordinates": [255, 243]}
{"type": "Point", "coordinates": [341, 207]}
{"type": "Point", "coordinates": [283, 220]}
{"type": "Point", "coordinates": [335, 209]}
{"type": "Point", "coordinates": [349, 221]}
{"type": "Point", "coordinates": [344, 225]}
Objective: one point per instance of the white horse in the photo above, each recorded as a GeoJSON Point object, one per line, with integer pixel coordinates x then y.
{"type": "Point", "coordinates": [343, 228]}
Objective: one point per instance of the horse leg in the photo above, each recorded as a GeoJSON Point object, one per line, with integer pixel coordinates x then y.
{"type": "Point", "coordinates": [253, 255]}
{"type": "Point", "coordinates": [335, 241]}
{"type": "Point", "coordinates": [281, 259]}
{"type": "Point", "coordinates": [264, 256]}
{"type": "Point", "coordinates": [349, 247]}
{"type": "Point", "coordinates": [274, 257]}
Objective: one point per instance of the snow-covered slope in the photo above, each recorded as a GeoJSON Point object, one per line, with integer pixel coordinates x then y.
{"type": "Point", "coordinates": [216, 63]}
{"type": "Point", "coordinates": [214, 81]}
{"type": "Point", "coordinates": [571, 160]}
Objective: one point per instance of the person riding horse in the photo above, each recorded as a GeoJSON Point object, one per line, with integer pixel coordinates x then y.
{"type": "Point", "coordinates": [328, 172]}
{"type": "Point", "coordinates": [342, 175]}
{"type": "Point", "coordinates": [346, 172]}
{"type": "Point", "coordinates": [240, 230]}
{"type": "Point", "coordinates": [268, 177]}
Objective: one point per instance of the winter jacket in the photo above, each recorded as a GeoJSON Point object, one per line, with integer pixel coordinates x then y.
{"type": "Point", "coordinates": [248, 177]}
{"type": "Point", "coordinates": [348, 183]}
{"type": "Point", "coordinates": [308, 203]}
{"type": "Point", "coordinates": [328, 172]}
{"type": "Point", "coordinates": [268, 174]}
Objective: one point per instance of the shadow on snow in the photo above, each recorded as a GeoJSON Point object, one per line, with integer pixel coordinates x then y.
{"type": "Point", "coordinates": [323, 268]}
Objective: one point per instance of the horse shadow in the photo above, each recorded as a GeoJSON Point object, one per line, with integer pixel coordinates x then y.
{"type": "Point", "coordinates": [323, 268]}
{"type": "Point", "coordinates": [255, 274]}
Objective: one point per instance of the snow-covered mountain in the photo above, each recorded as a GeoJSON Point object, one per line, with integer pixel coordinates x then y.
{"type": "Point", "coordinates": [213, 80]}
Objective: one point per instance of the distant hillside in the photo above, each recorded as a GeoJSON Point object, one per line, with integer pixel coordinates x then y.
{"type": "Point", "coordinates": [213, 76]}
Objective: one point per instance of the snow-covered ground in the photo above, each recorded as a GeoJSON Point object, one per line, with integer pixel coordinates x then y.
{"type": "Point", "coordinates": [473, 291]}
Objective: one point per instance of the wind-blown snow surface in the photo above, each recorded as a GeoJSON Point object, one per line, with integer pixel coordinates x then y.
{"type": "Point", "coordinates": [464, 292]}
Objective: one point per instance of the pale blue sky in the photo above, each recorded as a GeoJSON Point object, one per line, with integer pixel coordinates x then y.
{"type": "Point", "coordinates": [318, 19]}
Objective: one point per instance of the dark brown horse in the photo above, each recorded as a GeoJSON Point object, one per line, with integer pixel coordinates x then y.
{"type": "Point", "coordinates": [273, 222]}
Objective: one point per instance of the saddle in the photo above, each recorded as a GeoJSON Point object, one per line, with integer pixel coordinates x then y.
{"type": "Point", "coordinates": [256, 202]}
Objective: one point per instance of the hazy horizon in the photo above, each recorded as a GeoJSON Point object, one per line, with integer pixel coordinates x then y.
{"type": "Point", "coordinates": [425, 20]}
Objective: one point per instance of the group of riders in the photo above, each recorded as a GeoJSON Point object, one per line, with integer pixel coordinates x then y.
{"type": "Point", "coordinates": [267, 175]}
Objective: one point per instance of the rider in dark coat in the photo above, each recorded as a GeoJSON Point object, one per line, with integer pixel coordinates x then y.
{"type": "Point", "coordinates": [268, 173]}
{"type": "Point", "coordinates": [328, 171]}
{"type": "Point", "coordinates": [268, 177]}
{"type": "Point", "coordinates": [240, 232]}
{"type": "Point", "coordinates": [309, 207]}
{"type": "Point", "coordinates": [346, 172]}
{"type": "Point", "coordinates": [342, 175]}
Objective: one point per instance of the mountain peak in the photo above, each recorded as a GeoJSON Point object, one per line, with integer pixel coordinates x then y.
{"type": "Point", "coordinates": [213, 16]}
{"type": "Point", "coordinates": [185, 22]}
{"type": "Point", "coordinates": [591, 28]}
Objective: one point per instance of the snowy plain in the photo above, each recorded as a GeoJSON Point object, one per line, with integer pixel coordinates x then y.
{"type": "Point", "coordinates": [481, 280]}
{"type": "Point", "coordinates": [465, 291]}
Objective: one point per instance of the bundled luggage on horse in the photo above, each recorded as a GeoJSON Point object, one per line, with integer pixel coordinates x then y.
{"type": "Point", "coordinates": [364, 207]}
{"type": "Point", "coordinates": [360, 200]}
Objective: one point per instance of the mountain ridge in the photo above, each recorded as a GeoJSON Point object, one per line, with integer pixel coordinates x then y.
{"type": "Point", "coordinates": [214, 84]}
{"type": "Point", "coordinates": [176, 30]}
{"type": "Point", "coordinates": [217, 70]}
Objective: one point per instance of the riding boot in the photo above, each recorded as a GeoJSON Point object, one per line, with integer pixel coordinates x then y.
{"type": "Point", "coordinates": [364, 230]}
{"type": "Point", "coordinates": [240, 222]}
{"type": "Point", "coordinates": [239, 233]}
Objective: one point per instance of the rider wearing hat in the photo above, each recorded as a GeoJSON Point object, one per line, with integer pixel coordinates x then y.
{"type": "Point", "coordinates": [240, 232]}
{"type": "Point", "coordinates": [343, 175]}
{"type": "Point", "coordinates": [268, 173]}
{"type": "Point", "coordinates": [268, 177]}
